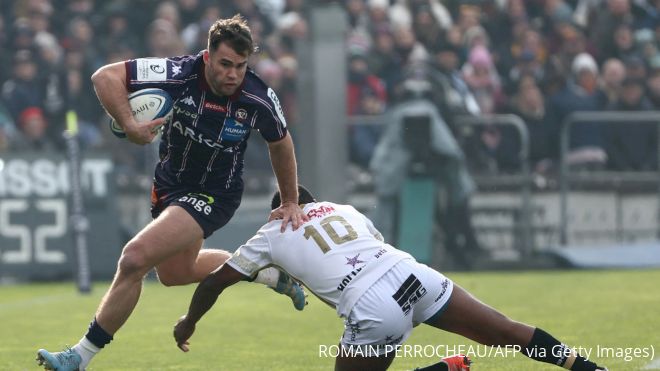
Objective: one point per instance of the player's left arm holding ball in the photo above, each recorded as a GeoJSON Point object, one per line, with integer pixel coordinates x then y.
{"type": "Point", "coordinates": [110, 86]}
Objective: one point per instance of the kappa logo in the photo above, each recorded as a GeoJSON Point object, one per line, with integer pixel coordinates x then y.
{"type": "Point", "coordinates": [189, 101]}
{"type": "Point", "coordinates": [176, 69]}
{"type": "Point", "coordinates": [241, 114]}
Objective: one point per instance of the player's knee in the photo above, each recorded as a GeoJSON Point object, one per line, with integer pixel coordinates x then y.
{"type": "Point", "coordinates": [133, 261]}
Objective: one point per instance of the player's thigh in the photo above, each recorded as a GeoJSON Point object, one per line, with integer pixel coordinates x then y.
{"type": "Point", "coordinates": [174, 231]}
{"type": "Point", "coordinates": [358, 363]}
{"type": "Point", "coordinates": [181, 263]}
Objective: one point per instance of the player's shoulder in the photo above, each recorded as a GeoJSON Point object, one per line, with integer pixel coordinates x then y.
{"type": "Point", "coordinates": [254, 83]}
{"type": "Point", "coordinates": [170, 69]}
{"type": "Point", "coordinates": [256, 91]}
{"type": "Point", "coordinates": [185, 65]}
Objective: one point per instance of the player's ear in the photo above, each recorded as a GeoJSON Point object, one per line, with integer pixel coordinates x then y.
{"type": "Point", "coordinates": [205, 56]}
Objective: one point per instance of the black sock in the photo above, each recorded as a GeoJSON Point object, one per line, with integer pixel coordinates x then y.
{"type": "Point", "coordinates": [545, 348]}
{"type": "Point", "coordinates": [434, 367]}
{"type": "Point", "coordinates": [97, 335]}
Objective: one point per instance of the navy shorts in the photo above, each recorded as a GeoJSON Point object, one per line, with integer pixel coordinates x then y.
{"type": "Point", "coordinates": [210, 209]}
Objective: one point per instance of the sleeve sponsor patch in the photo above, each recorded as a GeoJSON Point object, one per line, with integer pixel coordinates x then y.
{"type": "Point", "coordinates": [151, 69]}
{"type": "Point", "coordinates": [277, 105]}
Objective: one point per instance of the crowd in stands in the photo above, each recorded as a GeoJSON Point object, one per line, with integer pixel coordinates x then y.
{"type": "Point", "coordinates": [539, 59]}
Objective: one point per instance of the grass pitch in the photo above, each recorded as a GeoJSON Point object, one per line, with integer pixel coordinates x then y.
{"type": "Point", "coordinates": [252, 328]}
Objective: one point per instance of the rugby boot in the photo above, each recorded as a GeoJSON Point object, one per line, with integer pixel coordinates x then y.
{"type": "Point", "coordinates": [66, 360]}
{"type": "Point", "coordinates": [289, 287]}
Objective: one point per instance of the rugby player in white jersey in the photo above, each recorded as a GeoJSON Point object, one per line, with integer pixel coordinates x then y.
{"type": "Point", "coordinates": [380, 291]}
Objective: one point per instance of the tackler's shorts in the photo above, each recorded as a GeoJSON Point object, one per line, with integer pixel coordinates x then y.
{"type": "Point", "coordinates": [210, 209]}
{"type": "Point", "coordinates": [383, 318]}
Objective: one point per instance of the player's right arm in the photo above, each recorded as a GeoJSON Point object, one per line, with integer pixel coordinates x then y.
{"type": "Point", "coordinates": [110, 86]}
{"type": "Point", "coordinates": [205, 296]}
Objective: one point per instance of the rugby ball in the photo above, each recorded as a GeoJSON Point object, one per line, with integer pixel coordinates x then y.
{"type": "Point", "coordinates": [146, 105]}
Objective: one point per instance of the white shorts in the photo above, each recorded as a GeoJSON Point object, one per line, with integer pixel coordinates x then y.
{"type": "Point", "coordinates": [408, 294]}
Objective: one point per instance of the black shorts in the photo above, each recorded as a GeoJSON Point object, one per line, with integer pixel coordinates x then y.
{"type": "Point", "coordinates": [210, 209]}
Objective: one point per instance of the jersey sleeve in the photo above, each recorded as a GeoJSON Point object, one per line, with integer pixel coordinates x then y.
{"type": "Point", "coordinates": [168, 74]}
{"type": "Point", "coordinates": [271, 123]}
{"type": "Point", "coordinates": [253, 256]}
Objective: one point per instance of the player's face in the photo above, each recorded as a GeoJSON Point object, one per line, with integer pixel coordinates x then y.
{"type": "Point", "coordinates": [225, 69]}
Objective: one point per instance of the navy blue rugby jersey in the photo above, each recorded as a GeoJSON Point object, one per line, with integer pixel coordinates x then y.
{"type": "Point", "coordinates": [204, 144]}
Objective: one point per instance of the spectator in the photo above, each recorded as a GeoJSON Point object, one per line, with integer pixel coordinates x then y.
{"type": "Point", "coordinates": [378, 16]}
{"type": "Point", "coordinates": [402, 11]}
{"type": "Point", "coordinates": [194, 34]}
{"type": "Point", "coordinates": [528, 103]}
{"type": "Point", "coordinates": [117, 31]}
{"type": "Point", "coordinates": [635, 67]}
{"type": "Point", "coordinates": [623, 45]}
{"type": "Point", "coordinates": [451, 93]}
{"type": "Point", "coordinates": [614, 72]}
{"type": "Point", "coordinates": [482, 79]}
{"type": "Point", "coordinates": [408, 49]}
{"type": "Point", "coordinates": [384, 61]}
{"type": "Point", "coordinates": [23, 89]}
{"type": "Point", "coordinates": [366, 96]}
{"type": "Point", "coordinates": [33, 126]}
{"type": "Point", "coordinates": [426, 27]}
{"type": "Point", "coordinates": [163, 39]}
{"type": "Point", "coordinates": [362, 81]}
{"type": "Point", "coordinates": [607, 20]}
{"type": "Point", "coordinates": [581, 94]}
{"type": "Point", "coordinates": [653, 83]}
{"type": "Point", "coordinates": [632, 146]}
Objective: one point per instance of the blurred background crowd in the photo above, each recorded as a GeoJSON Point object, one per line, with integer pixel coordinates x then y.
{"type": "Point", "coordinates": [538, 59]}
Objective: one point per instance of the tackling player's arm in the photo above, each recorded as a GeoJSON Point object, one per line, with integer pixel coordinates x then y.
{"type": "Point", "coordinates": [205, 296]}
{"type": "Point", "coordinates": [283, 160]}
{"type": "Point", "coordinates": [110, 86]}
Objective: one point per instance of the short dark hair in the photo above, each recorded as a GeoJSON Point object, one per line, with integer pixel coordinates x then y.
{"type": "Point", "coordinates": [235, 32]}
{"type": "Point", "coordinates": [304, 197]}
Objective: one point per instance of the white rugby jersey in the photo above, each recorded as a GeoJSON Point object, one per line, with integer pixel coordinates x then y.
{"type": "Point", "coordinates": [338, 254]}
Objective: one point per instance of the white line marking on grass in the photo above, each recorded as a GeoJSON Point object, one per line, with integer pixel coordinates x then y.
{"type": "Point", "coordinates": [654, 365]}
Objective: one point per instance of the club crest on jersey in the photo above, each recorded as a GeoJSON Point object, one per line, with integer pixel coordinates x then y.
{"type": "Point", "coordinates": [233, 130]}
{"type": "Point", "coordinates": [241, 114]}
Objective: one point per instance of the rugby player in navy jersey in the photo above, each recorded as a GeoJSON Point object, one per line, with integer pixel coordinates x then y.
{"type": "Point", "coordinates": [197, 187]}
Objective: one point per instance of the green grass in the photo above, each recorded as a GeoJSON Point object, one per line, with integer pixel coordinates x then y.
{"type": "Point", "coordinates": [252, 328]}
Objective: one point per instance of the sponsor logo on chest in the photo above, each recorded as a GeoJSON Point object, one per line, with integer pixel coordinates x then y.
{"type": "Point", "coordinates": [233, 130]}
